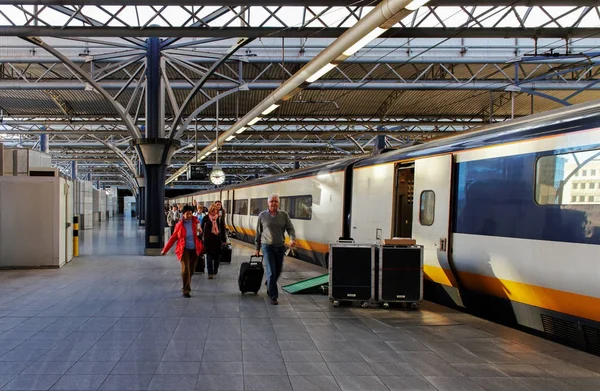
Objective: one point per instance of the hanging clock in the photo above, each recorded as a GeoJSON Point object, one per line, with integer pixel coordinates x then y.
{"type": "Point", "coordinates": [217, 176]}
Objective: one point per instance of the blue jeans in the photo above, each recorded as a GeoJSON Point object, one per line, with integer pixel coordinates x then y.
{"type": "Point", "coordinates": [212, 263]}
{"type": "Point", "coordinates": [273, 263]}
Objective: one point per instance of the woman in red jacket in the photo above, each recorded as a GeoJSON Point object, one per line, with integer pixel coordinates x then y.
{"type": "Point", "coordinates": [188, 247]}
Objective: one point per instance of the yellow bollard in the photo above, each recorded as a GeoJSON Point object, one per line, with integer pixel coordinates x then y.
{"type": "Point", "coordinates": [75, 236]}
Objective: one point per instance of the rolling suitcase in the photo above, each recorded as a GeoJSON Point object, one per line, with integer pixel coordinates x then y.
{"type": "Point", "coordinates": [226, 253]}
{"type": "Point", "coordinates": [200, 264]}
{"type": "Point", "coordinates": [251, 275]}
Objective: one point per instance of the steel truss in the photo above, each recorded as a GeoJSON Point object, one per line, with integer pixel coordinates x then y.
{"type": "Point", "coordinates": [498, 20]}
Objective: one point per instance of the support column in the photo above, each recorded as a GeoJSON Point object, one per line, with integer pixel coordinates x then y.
{"type": "Point", "coordinates": [155, 151]}
{"type": "Point", "coordinates": [44, 147]}
{"type": "Point", "coordinates": [379, 143]}
{"type": "Point", "coordinates": [74, 170]}
{"type": "Point", "coordinates": [142, 200]}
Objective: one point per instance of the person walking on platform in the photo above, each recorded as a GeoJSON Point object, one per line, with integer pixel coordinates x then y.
{"type": "Point", "coordinates": [214, 237]}
{"type": "Point", "coordinates": [188, 247]}
{"type": "Point", "coordinates": [173, 218]}
{"type": "Point", "coordinates": [270, 238]}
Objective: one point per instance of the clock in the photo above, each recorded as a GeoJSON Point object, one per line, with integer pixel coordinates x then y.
{"type": "Point", "coordinates": [217, 176]}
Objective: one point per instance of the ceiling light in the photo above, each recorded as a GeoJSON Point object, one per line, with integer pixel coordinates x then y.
{"type": "Point", "coordinates": [416, 4]}
{"type": "Point", "coordinates": [321, 72]}
{"type": "Point", "coordinates": [267, 111]}
{"type": "Point", "coordinates": [230, 138]}
{"type": "Point", "coordinates": [214, 149]}
{"type": "Point", "coordinates": [241, 130]}
{"type": "Point", "coordinates": [255, 120]}
{"type": "Point", "coordinates": [363, 41]}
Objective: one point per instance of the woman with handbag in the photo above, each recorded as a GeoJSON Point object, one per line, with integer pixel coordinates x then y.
{"type": "Point", "coordinates": [213, 237]}
{"type": "Point", "coordinates": [188, 247]}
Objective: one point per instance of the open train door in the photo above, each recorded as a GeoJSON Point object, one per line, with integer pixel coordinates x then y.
{"type": "Point", "coordinates": [431, 217]}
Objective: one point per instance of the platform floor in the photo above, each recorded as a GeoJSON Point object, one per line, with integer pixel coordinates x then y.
{"type": "Point", "coordinates": [113, 319]}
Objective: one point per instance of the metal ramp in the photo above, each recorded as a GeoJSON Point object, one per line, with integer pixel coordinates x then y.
{"type": "Point", "coordinates": [312, 285]}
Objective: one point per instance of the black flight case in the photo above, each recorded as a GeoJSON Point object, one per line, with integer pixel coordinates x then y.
{"type": "Point", "coordinates": [400, 274]}
{"type": "Point", "coordinates": [352, 273]}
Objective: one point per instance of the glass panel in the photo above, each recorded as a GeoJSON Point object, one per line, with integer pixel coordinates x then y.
{"type": "Point", "coordinates": [302, 207]}
{"type": "Point", "coordinates": [240, 207]}
{"type": "Point", "coordinates": [427, 208]}
{"type": "Point", "coordinates": [257, 205]}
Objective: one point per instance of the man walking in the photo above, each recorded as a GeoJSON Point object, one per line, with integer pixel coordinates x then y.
{"type": "Point", "coordinates": [173, 218]}
{"type": "Point", "coordinates": [270, 238]}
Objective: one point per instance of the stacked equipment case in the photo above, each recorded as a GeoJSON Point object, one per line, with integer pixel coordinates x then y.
{"type": "Point", "coordinates": [375, 274]}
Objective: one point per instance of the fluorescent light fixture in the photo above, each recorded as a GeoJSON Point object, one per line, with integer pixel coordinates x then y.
{"type": "Point", "coordinates": [363, 41]}
{"type": "Point", "coordinates": [201, 158]}
{"type": "Point", "coordinates": [214, 149]}
{"type": "Point", "coordinates": [241, 130]}
{"type": "Point", "coordinates": [272, 108]}
{"type": "Point", "coordinates": [416, 4]}
{"type": "Point", "coordinates": [230, 138]}
{"type": "Point", "coordinates": [321, 72]}
{"type": "Point", "coordinates": [255, 120]}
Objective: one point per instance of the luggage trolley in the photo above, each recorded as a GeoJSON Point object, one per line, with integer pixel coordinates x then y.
{"type": "Point", "coordinates": [400, 274]}
{"type": "Point", "coordinates": [352, 273]}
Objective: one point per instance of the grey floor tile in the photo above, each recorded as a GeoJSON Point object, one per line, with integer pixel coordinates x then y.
{"type": "Point", "coordinates": [545, 384]}
{"type": "Point", "coordinates": [173, 382]}
{"type": "Point", "coordinates": [91, 368]}
{"type": "Point", "coordinates": [521, 370]}
{"type": "Point", "coordinates": [409, 345]}
{"type": "Point", "coordinates": [223, 345]}
{"type": "Point", "coordinates": [95, 354]}
{"type": "Point", "coordinates": [479, 370]}
{"type": "Point", "coordinates": [13, 368]}
{"type": "Point", "coordinates": [126, 382]}
{"type": "Point", "coordinates": [314, 383]}
{"type": "Point", "coordinates": [262, 355]}
{"type": "Point", "coordinates": [393, 369]}
{"type": "Point", "coordinates": [334, 346]}
{"type": "Point", "coordinates": [63, 355]}
{"type": "Point", "coordinates": [47, 368]}
{"type": "Point", "coordinates": [453, 383]}
{"type": "Point", "coordinates": [178, 368]}
{"type": "Point", "coordinates": [297, 345]}
{"type": "Point", "coordinates": [79, 382]}
{"type": "Point", "coordinates": [5, 379]}
{"type": "Point", "coordinates": [360, 383]}
{"type": "Point", "coordinates": [307, 368]}
{"type": "Point", "coordinates": [375, 356]}
{"type": "Point", "coordinates": [584, 383]}
{"type": "Point", "coordinates": [31, 382]}
{"type": "Point", "coordinates": [350, 369]}
{"type": "Point", "coordinates": [264, 368]}
{"type": "Point", "coordinates": [566, 370]}
{"type": "Point", "coordinates": [22, 355]}
{"type": "Point", "coordinates": [301, 355]}
{"type": "Point", "coordinates": [135, 368]}
{"type": "Point", "coordinates": [182, 355]}
{"type": "Point", "coordinates": [221, 368]}
{"type": "Point", "coordinates": [222, 355]}
{"type": "Point", "coordinates": [342, 356]}
{"type": "Point", "coordinates": [407, 383]}
{"type": "Point", "coordinates": [266, 383]}
{"type": "Point", "coordinates": [146, 355]}
{"type": "Point", "coordinates": [499, 384]}
{"type": "Point", "coordinates": [220, 383]}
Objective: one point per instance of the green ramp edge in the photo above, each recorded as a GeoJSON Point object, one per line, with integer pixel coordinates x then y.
{"type": "Point", "coordinates": [312, 285]}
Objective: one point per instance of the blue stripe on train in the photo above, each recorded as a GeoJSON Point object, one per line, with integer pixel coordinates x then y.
{"type": "Point", "coordinates": [496, 197]}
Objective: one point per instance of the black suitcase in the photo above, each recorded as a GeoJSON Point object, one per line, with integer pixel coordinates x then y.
{"type": "Point", "coordinates": [251, 275]}
{"type": "Point", "coordinates": [226, 253]}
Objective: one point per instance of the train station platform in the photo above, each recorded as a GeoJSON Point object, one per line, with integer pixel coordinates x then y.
{"type": "Point", "coordinates": [114, 319]}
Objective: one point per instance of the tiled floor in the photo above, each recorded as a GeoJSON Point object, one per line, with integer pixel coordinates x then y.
{"type": "Point", "coordinates": [115, 320]}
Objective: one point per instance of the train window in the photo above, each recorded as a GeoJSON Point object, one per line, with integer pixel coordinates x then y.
{"type": "Point", "coordinates": [257, 205]}
{"type": "Point", "coordinates": [298, 207]}
{"type": "Point", "coordinates": [226, 206]}
{"type": "Point", "coordinates": [240, 207]}
{"type": "Point", "coordinates": [555, 175]}
{"type": "Point", "coordinates": [427, 208]}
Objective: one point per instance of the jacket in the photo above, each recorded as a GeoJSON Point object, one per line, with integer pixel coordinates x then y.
{"type": "Point", "coordinates": [173, 217]}
{"type": "Point", "coordinates": [179, 237]}
{"type": "Point", "coordinates": [212, 242]}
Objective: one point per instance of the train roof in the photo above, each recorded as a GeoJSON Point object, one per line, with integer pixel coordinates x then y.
{"type": "Point", "coordinates": [564, 120]}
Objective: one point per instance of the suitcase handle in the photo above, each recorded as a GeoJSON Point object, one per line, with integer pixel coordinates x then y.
{"type": "Point", "coordinates": [257, 256]}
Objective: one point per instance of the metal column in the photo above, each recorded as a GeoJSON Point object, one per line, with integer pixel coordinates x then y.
{"type": "Point", "coordinates": [74, 170]}
{"type": "Point", "coordinates": [44, 147]}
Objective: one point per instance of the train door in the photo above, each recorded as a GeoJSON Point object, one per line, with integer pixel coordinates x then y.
{"type": "Point", "coordinates": [431, 211]}
{"type": "Point", "coordinates": [403, 201]}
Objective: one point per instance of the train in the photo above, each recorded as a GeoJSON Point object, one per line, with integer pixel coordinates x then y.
{"type": "Point", "coordinates": [508, 216]}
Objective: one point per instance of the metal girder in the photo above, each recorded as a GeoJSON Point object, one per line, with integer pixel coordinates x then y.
{"type": "Point", "coordinates": [330, 3]}
{"type": "Point", "coordinates": [274, 32]}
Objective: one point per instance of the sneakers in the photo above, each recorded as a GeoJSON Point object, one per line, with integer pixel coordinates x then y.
{"type": "Point", "coordinates": [187, 294]}
{"type": "Point", "coordinates": [274, 301]}
{"type": "Point", "coordinates": [210, 277]}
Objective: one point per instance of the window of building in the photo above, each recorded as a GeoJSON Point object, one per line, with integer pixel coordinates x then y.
{"type": "Point", "coordinates": [592, 172]}
{"type": "Point", "coordinates": [581, 198]}
{"type": "Point", "coordinates": [257, 205]}
{"type": "Point", "coordinates": [590, 198]}
{"type": "Point", "coordinates": [427, 207]}
{"type": "Point", "coordinates": [592, 185]}
{"type": "Point", "coordinates": [574, 199]}
{"type": "Point", "coordinates": [298, 207]}
{"type": "Point", "coordinates": [555, 173]}
{"type": "Point", "coordinates": [240, 207]}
